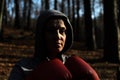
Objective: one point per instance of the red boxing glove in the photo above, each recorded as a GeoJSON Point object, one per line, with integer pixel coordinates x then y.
{"type": "Point", "coordinates": [80, 70]}
{"type": "Point", "coordinates": [50, 70]}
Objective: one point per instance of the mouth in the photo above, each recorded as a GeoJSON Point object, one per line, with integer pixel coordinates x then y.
{"type": "Point", "coordinates": [57, 44]}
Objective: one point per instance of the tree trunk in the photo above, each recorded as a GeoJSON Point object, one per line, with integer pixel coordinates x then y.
{"type": "Point", "coordinates": [90, 41]}
{"type": "Point", "coordinates": [29, 15]}
{"type": "Point", "coordinates": [110, 31]}
{"type": "Point", "coordinates": [1, 14]}
{"type": "Point", "coordinates": [42, 4]}
{"type": "Point", "coordinates": [73, 19]}
{"type": "Point", "coordinates": [5, 13]}
{"type": "Point", "coordinates": [62, 6]}
{"type": "Point", "coordinates": [17, 17]}
{"type": "Point", "coordinates": [77, 21]}
{"type": "Point", "coordinates": [118, 13]}
{"type": "Point", "coordinates": [25, 14]}
{"type": "Point", "coordinates": [68, 1]}
{"type": "Point", "coordinates": [55, 4]}
{"type": "Point", "coordinates": [47, 4]}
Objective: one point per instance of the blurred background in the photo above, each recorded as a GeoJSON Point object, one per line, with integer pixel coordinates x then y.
{"type": "Point", "coordinates": [96, 25]}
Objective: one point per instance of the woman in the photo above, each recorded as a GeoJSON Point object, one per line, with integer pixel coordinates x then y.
{"type": "Point", "coordinates": [53, 37]}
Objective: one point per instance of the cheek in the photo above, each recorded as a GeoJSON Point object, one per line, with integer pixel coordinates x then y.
{"type": "Point", "coordinates": [64, 39]}
{"type": "Point", "coordinates": [48, 38]}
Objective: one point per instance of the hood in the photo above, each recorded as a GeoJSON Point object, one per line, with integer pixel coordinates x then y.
{"type": "Point", "coordinates": [40, 47]}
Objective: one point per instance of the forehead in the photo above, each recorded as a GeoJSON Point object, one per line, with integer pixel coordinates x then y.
{"type": "Point", "coordinates": [55, 22]}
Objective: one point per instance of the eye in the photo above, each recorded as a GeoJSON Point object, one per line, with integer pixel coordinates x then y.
{"type": "Point", "coordinates": [50, 30]}
{"type": "Point", "coordinates": [62, 30]}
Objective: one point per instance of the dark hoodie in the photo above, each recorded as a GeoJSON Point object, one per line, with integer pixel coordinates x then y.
{"type": "Point", "coordinates": [40, 46]}
{"type": "Point", "coordinates": [25, 66]}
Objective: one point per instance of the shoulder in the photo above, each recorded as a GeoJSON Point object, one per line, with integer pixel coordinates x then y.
{"type": "Point", "coordinates": [22, 68]}
{"type": "Point", "coordinates": [26, 64]}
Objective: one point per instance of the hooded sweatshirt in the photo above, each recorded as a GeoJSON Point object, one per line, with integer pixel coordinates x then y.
{"type": "Point", "coordinates": [23, 67]}
{"type": "Point", "coordinates": [40, 46]}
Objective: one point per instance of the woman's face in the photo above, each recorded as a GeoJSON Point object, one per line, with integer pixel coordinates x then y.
{"type": "Point", "coordinates": [55, 36]}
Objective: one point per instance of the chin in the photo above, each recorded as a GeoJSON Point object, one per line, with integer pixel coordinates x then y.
{"type": "Point", "coordinates": [58, 51]}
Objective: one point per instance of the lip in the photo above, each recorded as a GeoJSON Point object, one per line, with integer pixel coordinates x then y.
{"type": "Point", "coordinates": [57, 44]}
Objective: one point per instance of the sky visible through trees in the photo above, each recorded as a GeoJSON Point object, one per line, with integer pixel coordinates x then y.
{"type": "Point", "coordinates": [97, 8]}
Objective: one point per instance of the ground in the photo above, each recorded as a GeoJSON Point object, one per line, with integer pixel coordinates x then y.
{"type": "Point", "coordinates": [18, 44]}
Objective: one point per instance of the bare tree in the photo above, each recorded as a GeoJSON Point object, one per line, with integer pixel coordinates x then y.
{"type": "Point", "coordinates": [78, 17]}
{"type": "Point", "coordinates": [73, 19]}
{"type": "Point", "coordinates": [90, 42]}
{"type": "Point", "coordinates": [55, 4]}
{"type": "Point", "coordinates": [5, 13]}
{"type": "Point", "coordinates": [29, 14]}
{"type": "Point", "coordinates": [42, 4]}
{"type": "Point", "coordinates": [47, 6]}
{"type": "Point", "coordinates": [118, 12]}
{"type": "Point", "coordinates": [17, 15]}
{"type": "Point", "coordinates": [62, 6]}
{"type": "Point", "coordinates": [68, 1]}
{"type": "Point", "coordinates": [25, 13]}
{"type": "Point", "coordinates": [110, 31]}
{"type": "Point", "coordinates": [1, 14]}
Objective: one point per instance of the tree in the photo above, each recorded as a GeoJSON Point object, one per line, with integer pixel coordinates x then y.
{"type": "Point", "coordinates": [98, 23]}
{"type": "Point", "coordinates": [77, 21]}
{"type": "Point", "coordinates": [73, 18]}
{"type": "Point", "coordinates": [42, 4]}
{"type": "Point", "coordinates": [25, 13]}
{"type": "Point", "coordinates": [118, 13]}
{"type": "Point", "coordinates": [29, 14]}
{"type": "Point", "coordinates": [90, 42]}
{"type": "Point", "coordinates": [55, 4]}
{"type": "Point", "coordinates": [110, 31]}
{"type": "Point", "coordinates": [68, 1]}
{"type": "Point", "coordinates": [5, 13]}
{"type": "Point", "coordinates": [47, 4]}
{"type": "Point", "coordinates": [17, 15]}
{"type": "Point", "coordinates": [62, 6]}
{"type": "Point", "coordinates": [1, 15]}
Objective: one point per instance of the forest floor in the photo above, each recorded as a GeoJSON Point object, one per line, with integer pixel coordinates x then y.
{"type": "Point", "coordinates": [18, 44]}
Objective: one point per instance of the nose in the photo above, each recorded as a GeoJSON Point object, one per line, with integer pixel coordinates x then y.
{"type": "Point", "coordinates": [57, 35]}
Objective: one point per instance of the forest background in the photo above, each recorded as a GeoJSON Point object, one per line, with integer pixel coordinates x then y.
{"type": "Point", "coordinates": [96, 25]}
